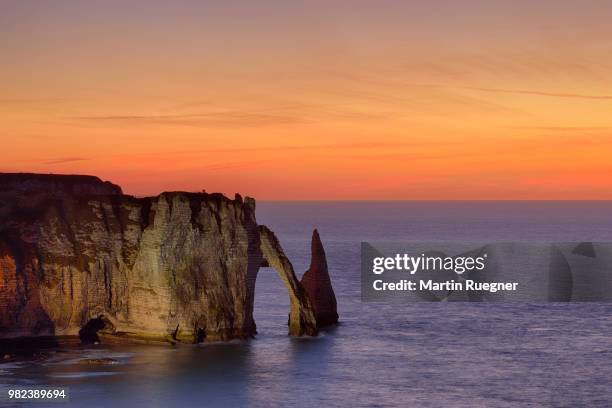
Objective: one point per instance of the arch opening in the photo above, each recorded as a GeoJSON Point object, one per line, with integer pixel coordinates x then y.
{"type": "Point", "coordinates": [271, 303]}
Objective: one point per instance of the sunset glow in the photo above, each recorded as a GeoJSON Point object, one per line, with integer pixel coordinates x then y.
{"type": "Point", "coordinates": [357, 100]}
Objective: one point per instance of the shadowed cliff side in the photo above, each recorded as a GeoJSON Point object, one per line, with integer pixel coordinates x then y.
{"type": "Point", "coordinates": [318, 285]}
{"type": "Point", "coordinates": [79, 258]}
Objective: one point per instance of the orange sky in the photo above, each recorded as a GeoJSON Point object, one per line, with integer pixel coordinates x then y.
{"type": "Point", "coordinates": [325, 100]}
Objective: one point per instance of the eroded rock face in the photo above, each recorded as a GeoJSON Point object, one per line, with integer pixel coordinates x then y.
{"type": "Point", "coordinates": [175, 267]}
{"type": "Point", "coordinates": [318, 285]}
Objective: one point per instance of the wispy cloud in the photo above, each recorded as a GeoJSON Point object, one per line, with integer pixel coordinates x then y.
{"type": "Point", "coordinates": [26, 101]}
{"type": "Point", "coordinates": [540, 93]}
{"type": "Point", "coordinates": [232, 165]}
{"type": "Point", "coordinates": [363, 146]}
{"type": "Point", "coordinates": [62, 160]}
{"type": "Point", "coordinates": [418, 156]}
{"type": "Point", "coordinates": [564, 128]}
{"type": "Point", "coordinates": [367, 145]}
{"type": "Point", "coordinates": [287, 114]}
{"type": "Point", "coordinates": [189, 105]}
{"type": "Point", "coordinates": [229, 118]}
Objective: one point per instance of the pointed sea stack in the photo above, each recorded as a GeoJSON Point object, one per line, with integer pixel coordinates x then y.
{"type": "Point", "coordinates": [318, 285]}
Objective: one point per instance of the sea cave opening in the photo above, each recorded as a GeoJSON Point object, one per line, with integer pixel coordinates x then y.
{"type": "Point", "coordinates": [200, 335]}
{"type": "Point", "coordinates": [89, 332]}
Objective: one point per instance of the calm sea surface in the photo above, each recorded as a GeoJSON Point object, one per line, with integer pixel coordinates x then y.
{"type": "Point", "coordinates": [425, 354]}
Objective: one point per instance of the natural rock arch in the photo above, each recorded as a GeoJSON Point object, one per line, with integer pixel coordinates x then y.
{"type": "Point", "coordinates": [302, 319]}
{"type": "Point", "coordinates": [77, 254]}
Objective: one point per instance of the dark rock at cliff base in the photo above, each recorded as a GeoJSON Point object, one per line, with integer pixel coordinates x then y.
{"type": "Point", "coordinates": [585, 249]}
{"type": "Point", "coordinates": [78, 257]}
{"type": "Point", "coordinates": [98, 361]}
{"type": "Point", "coordinates": [318, 285]}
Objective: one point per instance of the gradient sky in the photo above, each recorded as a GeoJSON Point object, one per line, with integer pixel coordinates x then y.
{"type": "Point", "coordinates": [313, 100]}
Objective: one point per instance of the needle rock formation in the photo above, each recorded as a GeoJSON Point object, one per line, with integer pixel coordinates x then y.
{"type": "Point", "coordinates": [318, 285]}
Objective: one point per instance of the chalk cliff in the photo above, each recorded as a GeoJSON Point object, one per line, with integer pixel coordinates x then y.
{"type": "Point", "coordinates": [78, 257]}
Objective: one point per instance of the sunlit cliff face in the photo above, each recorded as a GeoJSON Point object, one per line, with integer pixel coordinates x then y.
{"type": "Point", "coordinates": [350, 100]}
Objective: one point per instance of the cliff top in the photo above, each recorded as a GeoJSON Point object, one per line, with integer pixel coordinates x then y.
{"type": "Point", "coordinates": [58, 183]}
{"type": "Point", "coordinates": [77, 185]}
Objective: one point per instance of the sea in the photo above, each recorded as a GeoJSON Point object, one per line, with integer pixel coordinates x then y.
{"type": "Point", "coordinates": [442, 354]}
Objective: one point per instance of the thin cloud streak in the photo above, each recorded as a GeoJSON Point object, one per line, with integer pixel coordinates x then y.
{"type": "Point", "coordinates": [232, 118]}
{"type": "Point", "coordinates": [540, 93]}
{"type": "Point", "coordinates": [287, 148]}
{"type": "Point", "coordinates": [373, 145]}
{"type": "Point", "coordinates": [564, 128]}
{"type": "Point", "coordinates": [25, 101]}
{"type": "Point", "coordinates": [280, 115]}
{"type": "Point", "coordinates": [62, 160]}
{"type": "Point", "coordinates": [220, 118]}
